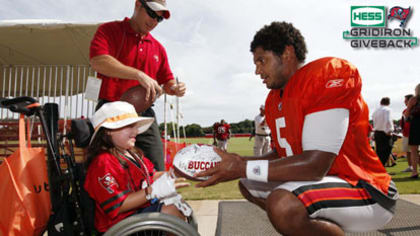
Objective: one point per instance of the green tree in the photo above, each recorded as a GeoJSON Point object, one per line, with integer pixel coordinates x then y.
{"type": "Point", "coordinates": [245, 126]}
{"type": "Point", "coordinates": [208, 130]}
{"type": "Point", "coordinates": [169, 128]}
{"type": "Point", "coordinates": [194, 130]}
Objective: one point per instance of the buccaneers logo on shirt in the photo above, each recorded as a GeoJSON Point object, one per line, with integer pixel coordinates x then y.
{"type": "Point", "coordinates": [156, 57]}
{"type": "Point", "coordinates": [400, 13]}
{"type": "Point", "coordinates": [108, 182]}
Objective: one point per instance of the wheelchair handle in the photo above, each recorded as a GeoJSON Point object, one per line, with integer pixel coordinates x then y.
{"type": "Point", "coordinates": [19, 104]}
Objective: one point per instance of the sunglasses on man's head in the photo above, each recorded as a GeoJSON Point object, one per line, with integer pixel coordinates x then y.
{"type": "Point", "coordinates": [150, 12]}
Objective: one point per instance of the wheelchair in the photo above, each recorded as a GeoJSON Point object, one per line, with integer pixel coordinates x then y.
{"type": "Point", "coordinates": [72, 208]}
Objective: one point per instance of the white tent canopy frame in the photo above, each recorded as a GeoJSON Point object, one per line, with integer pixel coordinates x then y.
{"type": "Point", "coordinates": [48, 60]}
{"type": "Point", "coordinates": [45, 42]}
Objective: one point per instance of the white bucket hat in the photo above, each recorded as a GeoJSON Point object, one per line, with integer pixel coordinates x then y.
{"type": "Point", "coordinates": [115, 115]}
{"type": "Point", "coordinates": [159, 5]}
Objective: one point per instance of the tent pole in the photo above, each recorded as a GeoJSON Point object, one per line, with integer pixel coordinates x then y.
{"type": "Point", "coordinates": [171, 107]}
{"type": "Point", "coordinates": [177, 114]}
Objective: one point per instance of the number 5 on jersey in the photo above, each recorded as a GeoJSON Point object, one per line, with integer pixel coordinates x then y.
{"type": "Point", "coordinates": [281, 123]}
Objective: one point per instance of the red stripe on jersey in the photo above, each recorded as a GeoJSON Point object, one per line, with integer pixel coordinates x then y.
{"type": "Point", "coordinates": [316, 195]}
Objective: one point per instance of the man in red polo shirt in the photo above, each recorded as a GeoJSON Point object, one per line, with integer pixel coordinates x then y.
{"type": "Point", "coordinates": [125, 54]}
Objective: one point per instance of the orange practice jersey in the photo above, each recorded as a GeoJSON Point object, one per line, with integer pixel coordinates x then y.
{"type": "Point", "coordinates": [327, 83]}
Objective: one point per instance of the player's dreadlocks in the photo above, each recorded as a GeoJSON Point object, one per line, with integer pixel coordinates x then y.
{"type": "Point", "coordinates": [276, 36]}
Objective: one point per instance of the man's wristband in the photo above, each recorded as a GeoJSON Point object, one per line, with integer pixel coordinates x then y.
{"type": "Point", "coordinates": [257, 170]}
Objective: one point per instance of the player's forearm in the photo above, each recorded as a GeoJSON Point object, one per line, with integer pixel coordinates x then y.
{"type": "Point", "coordinates": [307, 166]}
{"type": "Point", "coordinates": [272, 155]}
{"type": "Point", "coordinates": [109, 66]}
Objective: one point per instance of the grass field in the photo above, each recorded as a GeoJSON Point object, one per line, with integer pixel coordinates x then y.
{"type": "Point", "coordinates": [243, 146]}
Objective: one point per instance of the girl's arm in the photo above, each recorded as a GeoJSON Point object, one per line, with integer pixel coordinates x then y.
{"type": "Point", "coordinates": [135, 200]}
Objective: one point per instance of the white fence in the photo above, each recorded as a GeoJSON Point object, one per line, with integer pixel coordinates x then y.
{"type": "Point", "coordinates": [61, 84]}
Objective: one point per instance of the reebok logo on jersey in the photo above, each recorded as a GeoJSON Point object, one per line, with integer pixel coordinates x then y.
{"type": "Point", "coordinates": [334, 83]}
{"type": "Point", "coordinates": [108, 182]}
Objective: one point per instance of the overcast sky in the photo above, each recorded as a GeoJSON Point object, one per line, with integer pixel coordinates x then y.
{"type": "Point", "coordinates": [207, 42]}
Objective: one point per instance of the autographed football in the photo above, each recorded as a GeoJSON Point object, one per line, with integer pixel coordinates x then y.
{"type": "Point", "coordinates": [137, 97]}
{"type": "Point", "coordinates": [194, 159]}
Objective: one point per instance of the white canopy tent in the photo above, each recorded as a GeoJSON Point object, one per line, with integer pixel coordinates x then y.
{"type": "Point", "coordinates": [45, 42]}
{"type": "Point", "coordinates": [49, 60]}
{"type": "Point", "coordinates": [46, 58]}
{"type": "Point", "coordinates": [35, 43]}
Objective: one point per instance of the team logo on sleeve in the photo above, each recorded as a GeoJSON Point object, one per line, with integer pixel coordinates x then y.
{"type": "Point", "coordinates": [108, 182]}
{"type": "Point", "coordinates": [334, 83]}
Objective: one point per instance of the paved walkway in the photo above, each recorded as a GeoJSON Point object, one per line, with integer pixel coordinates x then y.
{"type": "Point", "coordinates": [206, 213]}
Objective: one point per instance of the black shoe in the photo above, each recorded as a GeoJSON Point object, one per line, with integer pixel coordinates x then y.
{"type": "Point", "coordinates": [416, 176]}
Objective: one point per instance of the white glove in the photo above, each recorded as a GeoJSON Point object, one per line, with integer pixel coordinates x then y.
{"type": "Point", "coordinates": [177, 201]}
{"type": "Point", "coordinates": [163, 187]}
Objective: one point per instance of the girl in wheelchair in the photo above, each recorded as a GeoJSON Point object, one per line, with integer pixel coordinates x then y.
{"type": "Point", "coordinates": [119, 178]}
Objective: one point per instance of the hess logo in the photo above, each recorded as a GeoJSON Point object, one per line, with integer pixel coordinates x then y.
{"type": "Point", "coordinates": [368, 16]}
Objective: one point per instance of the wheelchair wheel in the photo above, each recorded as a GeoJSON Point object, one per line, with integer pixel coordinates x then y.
{"type": "Point", "coordinates": [152, 224]}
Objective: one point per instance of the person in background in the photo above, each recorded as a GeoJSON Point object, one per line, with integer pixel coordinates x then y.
{"type": "Point", "coordinates": [262, 134]}
{"type": "Point", "coordinates": [413, 114]}
{"type": "Point", "coordinates": [383, 127]}
{"type": "Point", "coordinates": [221, 134]}
{"type": "Point", "coordinates": [405, 127]}
{"type": "Point", "coordinates": [125, 54]}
